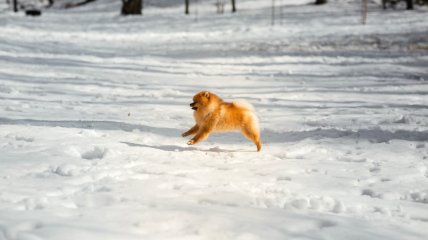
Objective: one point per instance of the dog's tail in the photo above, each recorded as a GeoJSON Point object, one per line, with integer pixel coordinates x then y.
{"type": "Point", "coordinates": [243, 104]}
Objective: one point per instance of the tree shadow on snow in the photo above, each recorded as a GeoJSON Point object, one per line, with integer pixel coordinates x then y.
{"type": "Point", "coordinates": [175, 148]}
{"type": "Point", "coordinates": [96, 125]}
{"type": "Point", "coordinates": [375, 135]}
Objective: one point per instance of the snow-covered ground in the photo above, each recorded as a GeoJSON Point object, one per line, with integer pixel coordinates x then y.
{"type": "Point", "coordinates": [93, 104]}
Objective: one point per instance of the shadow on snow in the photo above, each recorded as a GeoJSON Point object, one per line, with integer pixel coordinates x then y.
{"type": "Point", "coordinates": [376, 135]}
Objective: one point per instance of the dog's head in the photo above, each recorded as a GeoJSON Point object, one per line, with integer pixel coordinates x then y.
{"type": "Point", "coordinates": [202, 99]}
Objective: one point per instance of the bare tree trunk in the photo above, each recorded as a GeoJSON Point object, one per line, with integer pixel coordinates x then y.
{"type": "Point", "coordinates": [132, 7]}
{"type": "Point", "coordinates": [15, 5]}
{"type": "Point", "coordinates": [409, 4]}
{"type": "Point", "coordinates": [220, 6]}
{"type": "Point", "coordinates": [273, 13]}
{"type": "Point", "coordinates": [186, 9]}
{"type": "Point", "coordinates": [233, 6]}
{"type": "Point", "coordinates": [364, 10]}
{"type": "Point", "coordinates": [319, 2]}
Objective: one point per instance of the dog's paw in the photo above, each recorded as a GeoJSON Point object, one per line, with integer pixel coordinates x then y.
{"type": "Point", "coordinates": [184, 135]}
{"type": "Point", "coordinates": [191, 142]}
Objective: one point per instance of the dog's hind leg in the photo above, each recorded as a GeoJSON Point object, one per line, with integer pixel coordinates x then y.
{"type": "Point", "coordinates": [191, 131]}
{"type": "Point", "coordinates": [252, 132]}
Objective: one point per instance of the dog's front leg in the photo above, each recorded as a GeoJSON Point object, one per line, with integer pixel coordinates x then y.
{"type": "Point", "coordinates": [191, 131]}
{"type": "Point", "coordinates": [204, 131]}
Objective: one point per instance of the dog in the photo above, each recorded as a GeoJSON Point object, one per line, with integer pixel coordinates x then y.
{"type": "Point", "coordinates": [212, 114]}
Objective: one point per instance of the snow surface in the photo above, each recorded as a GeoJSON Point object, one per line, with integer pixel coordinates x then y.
{"type": "Point", "coordinates": [93, 105]}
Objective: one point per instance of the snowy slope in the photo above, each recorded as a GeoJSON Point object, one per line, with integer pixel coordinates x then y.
{"type": "Point", "coordinates": [93, 105]}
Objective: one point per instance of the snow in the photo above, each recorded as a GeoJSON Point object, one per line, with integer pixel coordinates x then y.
{"type": "Point", "coordinates": [93, 106]}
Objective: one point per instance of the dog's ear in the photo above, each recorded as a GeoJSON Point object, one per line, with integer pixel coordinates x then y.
{"type": "Point", "coordinates": [207, 94]}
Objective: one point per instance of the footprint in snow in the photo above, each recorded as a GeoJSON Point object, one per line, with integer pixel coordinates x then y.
{"type": "Point", "coordinates": [95, 153]}
{"type": "Point", "coordinates": [20, 138]}
{"type": "Point", "coordinates": [352, 160]}
{"type": "Point", "coordinates": [66, 170]}
{"type": "Point", "coordinates": [22, 230]}
{"type": "Point", "coordinates": [283, 178]}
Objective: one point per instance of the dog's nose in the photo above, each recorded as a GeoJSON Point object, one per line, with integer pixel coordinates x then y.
{"type": "Point", "coordinates": [192, 104]}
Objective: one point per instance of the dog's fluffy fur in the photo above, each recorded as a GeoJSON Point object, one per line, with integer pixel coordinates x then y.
{"type": "Point", "coordinates": [212, 114]}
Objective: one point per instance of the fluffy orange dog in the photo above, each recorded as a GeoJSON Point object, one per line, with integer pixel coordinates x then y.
{"type": "Point", "coordinates": [212, 114]}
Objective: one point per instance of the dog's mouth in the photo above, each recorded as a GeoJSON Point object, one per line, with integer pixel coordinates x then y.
{"type": "Point", "coordinates": [192, 105]}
